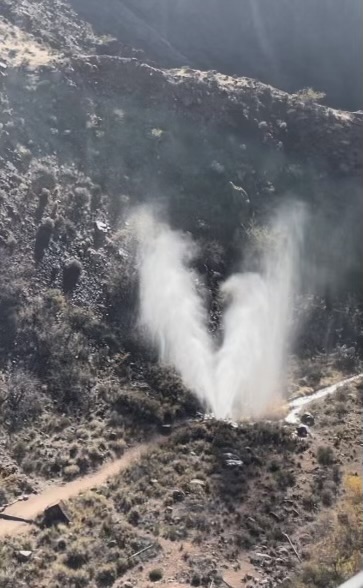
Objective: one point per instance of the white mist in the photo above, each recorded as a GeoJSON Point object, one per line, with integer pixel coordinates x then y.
{"type": "Point", "coordinates": [171, 310]}
{"type": "Point", "coordinates": [245, 376]}
{"type": "Point", "coordinates": [257, 324]}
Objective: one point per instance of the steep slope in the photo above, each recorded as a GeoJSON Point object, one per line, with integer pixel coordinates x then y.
{"type": "Point", "coordinates": [87, 133]}
{"type": "Point", "coordinates": [288, 44]}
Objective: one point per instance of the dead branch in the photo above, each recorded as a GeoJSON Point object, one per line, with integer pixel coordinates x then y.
{"type": "Point", "coordinates": [292, 546]}
{"type": "Point", "coordinates": [226, 583]}
{"type": "Point", "coordinates": [142, 550]}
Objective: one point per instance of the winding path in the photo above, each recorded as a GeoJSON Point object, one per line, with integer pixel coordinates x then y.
{"type": "Point", "coordinates": [36, 504]}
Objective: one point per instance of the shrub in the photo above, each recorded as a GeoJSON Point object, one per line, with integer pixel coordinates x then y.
{"type": "Point", "coordinates": [134, 517]}
{"type": "Point", "coordinates": [20, 450]}
{"type": "Point", "coordinates": [140, 408]}
{"type": "Point", "coordinates": [336, 474]}
{"type": "Point", "coordinates": [309, 501]}
{"type": "Point", "coordinates": [156, 574]}
{"type": "Point", "coordinates": [71, 578]}
{"type": "Point", "coordinates": [243, 540]}
{"type": "Point", "coordinates": [338, 559]}
{"type": "Point", "coordinates": [76, 557]}
{"type": "Point", "coordinates": [320, 576]}
{"type": "Point", "coordinates": [325, 455]}
{"type": "Point", "coordinates": [3, 498]}
{"type": "Point", "coordinates": [42, 238]}
{"type": "Point", "coordinates": [9, 306]}
{"type": "Point", "coordinates": [327, 497]}
{"type": "Point", "coordinates": [82, 197]}
{"type": "Point", "coordinates": [71, 274]}
{"type": "Point", "coordinates": [106, 575]}
{"type": "Point", "coordinates": [43, 178]}
{"type": "Point", "coordinates": [310, 95]}
{"type": "Point", "coordinates": [285, 478]}
{"type": "Point", "coordinates": [195, 581]}
{"type": "Point", "coordinates": [21, 402]}
{"type": "Point", "coordinates": [122, 565]}
{"type": "Point", "coordinates": [118, 446]}
{"type": "Point", "coordinates": [43, 198]}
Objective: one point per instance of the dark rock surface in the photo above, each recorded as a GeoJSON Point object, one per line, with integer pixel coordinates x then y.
{"type": "Point", "coordinates": [289, 44]}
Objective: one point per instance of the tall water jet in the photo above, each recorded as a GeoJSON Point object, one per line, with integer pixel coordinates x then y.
{"type": "Point", "coordinates": [244, 377]}
{"type": "Point", "coordinates": [257, 323]}
{"type": "Point", "coordinates": [171, 309]}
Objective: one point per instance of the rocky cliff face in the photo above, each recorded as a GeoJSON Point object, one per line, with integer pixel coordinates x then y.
{"type": "Point", "coordinates": [86, 135]}
{"type": "Point", "coordinates": [290, 45]}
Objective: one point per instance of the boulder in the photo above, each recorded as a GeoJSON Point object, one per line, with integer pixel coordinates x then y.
{"type": "Point", "coordinates": [101, 230]}
{"type": "Point", "coordinates": [55, 514]}
{"type": "Point", "coordinates": [232, 460]}
{"type": "Point", "coordinates": [307, 419]}
{"type": "Point", "coordinates": [24, 555]}
{"type": "Point", "coordinates": [196, 482]}
{"type": "Point", "coordinates": [178, 495]}
{"type": "Point", "coordinates": [302, 431]}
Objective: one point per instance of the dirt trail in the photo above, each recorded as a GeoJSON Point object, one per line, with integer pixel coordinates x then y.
{"type": "Point", "coordinates": [36, 504]}
{"type": "Point", "coordinates": [31, 508]}
{"type": "Point", "coordinates": [298, 403]}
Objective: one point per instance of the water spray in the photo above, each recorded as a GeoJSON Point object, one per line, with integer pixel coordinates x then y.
{"type": "Point", "coordinates": [244, 376]}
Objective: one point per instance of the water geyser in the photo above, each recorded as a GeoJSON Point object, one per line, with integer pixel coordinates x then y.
{"type": "Point", "coordinates": [243, 376]}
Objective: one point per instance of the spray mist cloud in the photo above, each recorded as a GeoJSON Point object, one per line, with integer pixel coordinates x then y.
{"type": "Point", "coordinates": [244, 376]}
{"type": "Point", "coordinates": [171, 309]}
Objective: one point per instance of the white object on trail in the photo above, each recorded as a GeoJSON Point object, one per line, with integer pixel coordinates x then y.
{"type": "Point", "coordinates": [356, 582]}
{"type": "Point", "coordinates": [297, 404]}
{"type": "Point", "coordinates": [37, 504]}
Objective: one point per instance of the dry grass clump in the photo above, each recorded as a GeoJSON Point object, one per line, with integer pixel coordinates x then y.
{"type": "Point", "coordinates": [94, 550]}
{"type": "Point", "coordinates": [334, 561]}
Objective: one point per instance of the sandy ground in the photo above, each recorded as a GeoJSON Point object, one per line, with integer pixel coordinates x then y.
{"type": "Point", "coordinates": [19, 48]}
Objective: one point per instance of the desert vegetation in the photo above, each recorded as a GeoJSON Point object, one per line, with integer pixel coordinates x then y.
{"type": "Point", "coordinates": [90, 130]}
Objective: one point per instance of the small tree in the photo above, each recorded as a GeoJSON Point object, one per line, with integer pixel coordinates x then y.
{"type": "Point", "coordinates": [19, 399]}
{"type": "Point", "coordinates": [71, 274]}
{"type": "Point", "coordinates": [42, 239]}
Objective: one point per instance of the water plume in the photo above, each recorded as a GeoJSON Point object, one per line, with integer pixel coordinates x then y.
{"type": "Point", "coordinates": [244, 376]}
{"type": "Point", "coordinates": [171, 309]}
{"type": "Point", "coordinates": [257, 324]}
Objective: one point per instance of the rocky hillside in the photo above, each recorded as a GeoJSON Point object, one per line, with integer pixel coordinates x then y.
{"type": "Point", "coordinates": [91, 127]}
{"type": "Point", "coordinates": [287, 44]}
